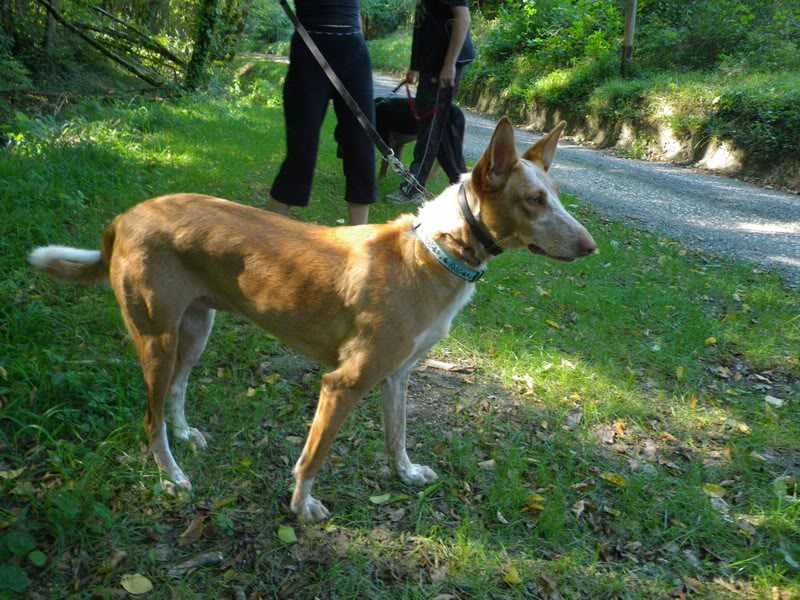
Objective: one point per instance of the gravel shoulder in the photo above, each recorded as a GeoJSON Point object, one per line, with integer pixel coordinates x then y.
{"type": "Point", "coordinates": [722, 216]}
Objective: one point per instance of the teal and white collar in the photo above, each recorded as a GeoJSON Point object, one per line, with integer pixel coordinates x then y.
{"type": "Point", "coordinates": [448, 262]}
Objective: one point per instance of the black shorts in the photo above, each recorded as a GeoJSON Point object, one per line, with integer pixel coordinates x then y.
{"type": "Point", "coordinates": [306, 93]}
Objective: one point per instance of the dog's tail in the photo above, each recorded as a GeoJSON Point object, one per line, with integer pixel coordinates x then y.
{"type": "Point", "coordinates": [74, 264]}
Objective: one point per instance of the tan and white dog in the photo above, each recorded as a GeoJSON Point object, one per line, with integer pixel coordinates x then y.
{"type": "Point", "coordinates": [365, 301]}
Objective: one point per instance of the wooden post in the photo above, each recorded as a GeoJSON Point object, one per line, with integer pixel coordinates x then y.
{"type": "Point", "coordinates": [627, 48]}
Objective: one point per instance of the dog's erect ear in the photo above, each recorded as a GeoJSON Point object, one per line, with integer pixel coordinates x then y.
{"type": "Point", "coordinates": [543, 152]}
{"type": "Point", "coordinates": [495, 165]}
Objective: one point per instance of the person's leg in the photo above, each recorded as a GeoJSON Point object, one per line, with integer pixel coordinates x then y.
{"type": "Point", "coordinates": [306, 93]}
{"type": "Point", "coordinates": [278, 207]}
{"type": "Point", "coordinates": [431, 98]}
{"type": "Point", "coordinates": [358, 151]}
{"type": "Point", "coordinates": [358, 214]}
{"type": "Point", "coordinates": [451, 150]}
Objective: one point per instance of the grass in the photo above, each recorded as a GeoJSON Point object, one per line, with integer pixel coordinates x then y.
{"type": "Point", "coordinates": [576, 376]}
{"type": "Point", "coordinates": [391, 54]}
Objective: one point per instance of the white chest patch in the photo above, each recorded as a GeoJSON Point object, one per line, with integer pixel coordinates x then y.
{"type": "Point", "coordinates": [439, 329]}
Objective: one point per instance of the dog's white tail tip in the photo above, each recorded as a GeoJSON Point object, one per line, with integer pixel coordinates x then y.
{"type": "Point", "coordinates": [42, 257]}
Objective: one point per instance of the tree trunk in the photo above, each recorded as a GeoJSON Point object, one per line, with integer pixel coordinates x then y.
{"type": "Point", "coordinates": [627, 47]}
{"type": "Point", "coordinates": [206, 21]}
{"type": "Point", "coordinates": [50, 36]}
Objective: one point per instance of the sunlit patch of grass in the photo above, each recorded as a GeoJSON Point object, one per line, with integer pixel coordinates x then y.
{"type": "Point", "coordinates": [391, 54]}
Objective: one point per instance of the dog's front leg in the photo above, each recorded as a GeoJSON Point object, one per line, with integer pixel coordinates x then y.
{"type": "Point", "coordinates": [337, 397]}
{"type": "Point", "coordinates": [393, 393]}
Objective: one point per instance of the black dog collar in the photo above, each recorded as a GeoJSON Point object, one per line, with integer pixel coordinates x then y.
{"type": "Point", "coordinates": [476, 228]}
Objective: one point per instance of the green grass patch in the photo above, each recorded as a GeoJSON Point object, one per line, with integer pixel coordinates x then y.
{"type": "Point", "coordinates": [577, 374]}
{"type": "Point", "coordinates": [391, 54]}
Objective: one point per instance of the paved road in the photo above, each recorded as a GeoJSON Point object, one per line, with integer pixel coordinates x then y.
{"type": "Point", "coordinates": [719, 215]}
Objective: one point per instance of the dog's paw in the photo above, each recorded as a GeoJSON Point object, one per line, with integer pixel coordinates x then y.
{"type": "Point", "coordinates": [176, 485]}
{"type": "Point", "coordinates": [418, 475]}
{"type": "Point", "coordinates": [190, 434]}
{"type": "Point", "coordinates": [312, 510]}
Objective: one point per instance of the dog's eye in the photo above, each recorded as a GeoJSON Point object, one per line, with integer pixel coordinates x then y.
{"type": "Point", "coordinates": [537, 199]}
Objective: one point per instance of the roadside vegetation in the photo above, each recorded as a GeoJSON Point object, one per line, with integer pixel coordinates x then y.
{"type": "Point", "coordinates": [626, 426]}
{"type": "Point", "coordinates": [718, 70]}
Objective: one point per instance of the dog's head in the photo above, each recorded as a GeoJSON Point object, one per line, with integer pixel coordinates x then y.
{"type": "Point", "coordinates": [519, 202]}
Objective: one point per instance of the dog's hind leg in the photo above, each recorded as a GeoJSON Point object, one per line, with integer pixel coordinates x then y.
{"type": "Point", "coordinates": [340, 391]}
{"type": "Point", "coordinates": [154, 330]}
{"type": "Point", "coordinates": [195, 328]}
{"type": "Point", "coordinates": [157, 353]}
{"type": "Point", "coordinates": [393, 394]}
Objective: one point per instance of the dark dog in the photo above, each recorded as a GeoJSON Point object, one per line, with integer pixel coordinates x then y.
{"type": "Point", "coordinates": [397, 126]}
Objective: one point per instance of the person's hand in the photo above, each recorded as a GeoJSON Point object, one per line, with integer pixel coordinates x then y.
{"type": "Point", "coordinates": [447, 77]}
{"type": "Point", "coordinates": [411, 77]}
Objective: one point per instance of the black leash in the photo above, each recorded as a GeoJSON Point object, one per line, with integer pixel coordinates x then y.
{"type": "Point", "coordinates": [383, 147]}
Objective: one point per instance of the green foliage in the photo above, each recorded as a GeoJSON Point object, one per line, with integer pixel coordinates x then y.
{"type": "Point", "coordinates": [391, 54]}
{"type": "Point", "coordinates": [762, 116]}
{"type": "Point", "coordinates": [710, 69]}
{"type": "Point", "coordinates": [266, 24]}
{"type": "Point", "coordinates": [381, 17]}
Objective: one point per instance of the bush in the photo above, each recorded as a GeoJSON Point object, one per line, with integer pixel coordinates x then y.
{"type": "Point", "coordinates": [382, 17]}
{"type": "Point", "coordinates": [266, 24]}
{"type": "Point", "coordinates": [762, 116]}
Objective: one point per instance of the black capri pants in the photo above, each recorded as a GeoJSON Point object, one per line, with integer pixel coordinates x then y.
{"type": "Point", "coordinates": [306, 93]}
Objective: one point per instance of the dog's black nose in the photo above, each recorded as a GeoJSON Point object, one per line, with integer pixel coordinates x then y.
{"type": "Point", "coordinates": [587, 246]}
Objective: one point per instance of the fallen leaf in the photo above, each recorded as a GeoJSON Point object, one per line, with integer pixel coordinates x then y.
{"type": "Point", "coordinates": [578, 508]}
{"type": "Point", "coordinates": [511, 576]}
{"type": "Point", "coordinates": [272, 379]}
{"type": "Point", "coordinates": [286, 534]}
{"type": "Point", "coordinates": [223, 502]}
{"type": "Point", "coordinates": [382, 499]}
{"type": "Point", "coordinates": [193, 532]}
{"type": "Point", "coordinates": [572, 420]}
{"type": "Point", "coordinates": [694, 585]}
{"type": "Point", "coordinates": [605, 433]}
{"type": "Point", "coordinates": [714, 490]}
{"type": "Point", "coordinates": [526, 379]}
{"type": "Point", "coordinates": [613, 478]}
{"type": "Point", "coordinates": [710, 341]}
{"type": "Point", "coordinates": [397, 515]}
{"type": "Point", "coordinates": [444, 366]}
{"type": "Point", "coordinates": [11, 474]}
{"type": "Point", "coordinates": [294, 439]}
{"type": "Point", "coordinates": [488, 465]}
{"type": "Point", "coordinates": [136, 584]}
{"type": "Point", "coordinates": [251, 392]}
{"type": "Point", "coordinates": [202, 560]}
{"type": "Point", "coordinates": [679, 373]}
{"type": "Point", "coordinates": [534, 503]}
{"type": "Point", "coordinates": [553, 324]}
